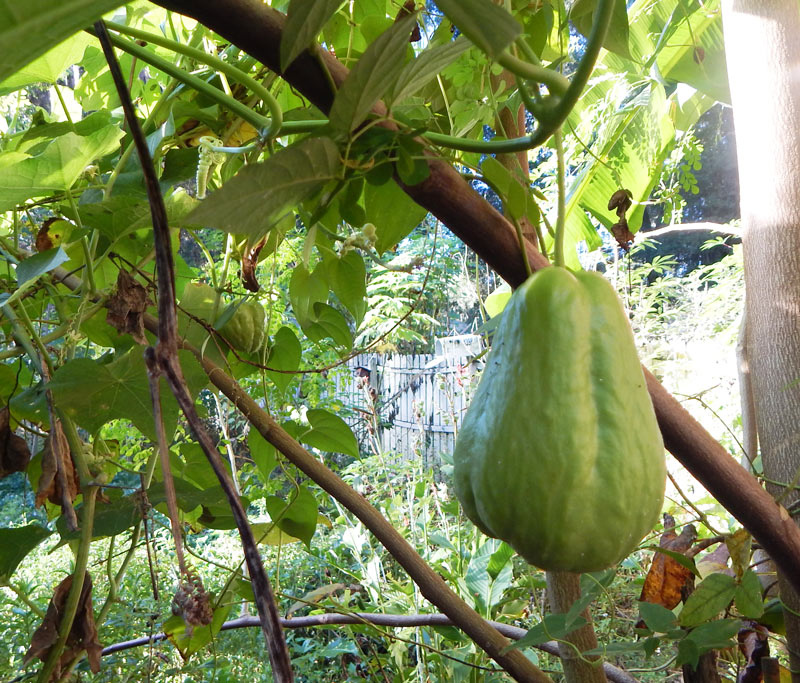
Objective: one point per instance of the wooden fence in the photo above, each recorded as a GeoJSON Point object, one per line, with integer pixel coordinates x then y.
{"type": "Point", "coordinates": [409, 405]}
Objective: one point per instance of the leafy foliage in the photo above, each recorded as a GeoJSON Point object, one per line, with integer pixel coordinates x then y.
{"type": "Point", "coordinates": [307, 222]}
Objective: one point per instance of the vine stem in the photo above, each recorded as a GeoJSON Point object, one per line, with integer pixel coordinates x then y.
{"type": "Point", "coordinates": [165, 356]}
{"type": "Point", "coordinates": [78, 578]}
{"type": "Point", "coordinates": [216, 63]}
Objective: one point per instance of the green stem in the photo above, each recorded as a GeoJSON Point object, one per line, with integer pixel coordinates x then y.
{"type": "Point", "coordinates": [76, 448]}
{"type": "Point", "coordinates": [220, 65]}
{"type": "Point", "coordinates": [297, 127]}
{"type": "Point", "coordinates": [253, 118]}
{"type": "Point", "coordinates": [488, 146]}
{"type": "Point", "coordinates": [22, 596]}
{"type": "Point", "coordinates": [63, 102]}
{"type": "Point", "coordinates": [78, 578]}
{"type": "Point", "coordinates": [88, 271]}
{"type": "Point", "coordinates": [555, 82]}
{"type": "Point", "coordinates": [560, 216]}
{"type": "Point", "coordinates": [602, 20]}
{"type": "Point", "coordinates": [114, 580]}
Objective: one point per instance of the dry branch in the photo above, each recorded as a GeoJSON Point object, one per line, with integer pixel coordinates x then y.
{"type": "Point", "coordinates": [613, 673]}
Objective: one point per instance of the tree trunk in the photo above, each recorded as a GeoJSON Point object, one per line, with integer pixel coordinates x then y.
{"type": "Point", "coordinates": [563, 589]}
{"type": "Point", "coordinates": [763, 54]}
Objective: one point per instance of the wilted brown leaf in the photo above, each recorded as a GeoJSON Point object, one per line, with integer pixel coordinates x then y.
{"type": "Point", "coordinates": [249, 263]}
{"type": "Point", "coordinates": [622, 234]}
{"type": "Point", "coordinates": [666, 579]}
{"type": "Point", "coordinates": [49, 234]}
{"type": "Point", "coordinates": [126, 308]}
{"type": "Point", "coordinates": [82, 635]}
{"type": "Point", "coordinates": [621, 201]}
{"type": "Point", "coordinates": [14, 452]}
{"type": "Point", "coordinates": [59, 482]}
{"type": "Point", "coordinates": [405, 10]}
{"type": "Point", "coordinates": [753, 641]}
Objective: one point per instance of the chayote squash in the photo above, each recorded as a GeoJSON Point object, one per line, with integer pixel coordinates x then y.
{"type": "Point", "coordinates": [246, 328]}
{"type": "Point", "coordinates": [560, 454]}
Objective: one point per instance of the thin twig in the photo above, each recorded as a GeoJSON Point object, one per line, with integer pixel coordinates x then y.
{"type": "Point", "coordinates": [165, 356]}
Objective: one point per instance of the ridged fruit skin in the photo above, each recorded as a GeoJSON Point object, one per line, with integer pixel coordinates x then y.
{"type": "Point", "coordinates": [560, 454]}
{"type": "Point", "coordinates": [245, 330]}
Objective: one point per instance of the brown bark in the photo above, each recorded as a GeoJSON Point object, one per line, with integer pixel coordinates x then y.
{"type": "Point", "coordinates": [256, 28]}
{"type": "Point", "coordinates": [763, 56]}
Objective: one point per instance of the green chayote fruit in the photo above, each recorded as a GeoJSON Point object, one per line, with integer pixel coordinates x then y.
{"type": "Point", "coordinates": [246, 328]}
{"type": "Point", "coordinates": [560, 454]}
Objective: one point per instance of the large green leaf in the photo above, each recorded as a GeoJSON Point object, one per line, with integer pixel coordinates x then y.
{"type": "Point", "coordinates": [712, 596]}
{"type": "Point", "coordinates": [304, 22]}
{"type": "Point", "coordinates": [93, 394]}
{"type": "Point", "coordinates": [371, 77]}
{"type": "Point", "coordinates": [616, 39]}
{"type": "Point", "coordinates": [56, 168]}
{"type": "Point", "coordinates": [486, 24]}
{"type": "Point", "coordinates": [263, 453]}
{"type": "Point", "coordinates": [51, 65]}
{"type": "Point", "coordinates": [39, 264]}
{"type": "Point", "coordinates": [298, 517]}
{"type": "Point", "coordinates": [327, 322]}
{"type": "Point", "coordinates": [486, 588]}
{"type": "Point", "coordinates": [393, 212]}
{"type": "Point", "coordinates": [28, 29]}
{"type": "Point", "coordinates": [284, 355]}
{"type": "Point", "coordinates": [16, 543]}
{"type": "Point", "coordinates": [683, 39]}
{"type": "Point", "coordinates": [305, 290]}
{"type": "Point", "coordinates": [110, 519]}
{"type": "Point", "coordinates": [330, 433]}
{"type": "Point", "coordinates": [259, 195]}
{"type": "Point", "coordinates": [748, 598]}
{"type": "Point", "coordinates": [428, 64]}
{"type": "Point", "coordinates": [348, 282]}
{"type": "Point", "coordinates": [630, 143]}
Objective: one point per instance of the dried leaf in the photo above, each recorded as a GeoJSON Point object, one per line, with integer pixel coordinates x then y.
{"type": "Point", "coordinates": [715, 562]}
{"type": "Point", "coordinates": [320, 593]}
{"type": "Point", "coordinates": [14, 452]}
{"type": "Point", "coordinates": [408, 8]}
{"type": "Point", "coordinates": [666, 579]}
{"type": "Point", "coordinates": [753, 641]}
{"type": "Point", "coordinates": [249, 263]}
{"type": "Point", "coordinates": [59, 482]}
{"type": "Point", "coordinates": [47, 238]}
{"type": "Point", "coordinates": [82, 635]}
{"type": "Point", "coordinates": [126, 308]}
{"type": "Point", "coordinates": [622, 234]}
{"type": "Point", "coordinates": [621, 201]}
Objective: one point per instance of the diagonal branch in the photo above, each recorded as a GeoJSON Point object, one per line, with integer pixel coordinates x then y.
{"type": "Point", "coordinates": [165, 359]}
{"type": "Point", "coordinates": [257, 28]}
{"type": "Point", "coordinates": [432, 586]}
